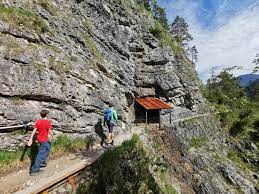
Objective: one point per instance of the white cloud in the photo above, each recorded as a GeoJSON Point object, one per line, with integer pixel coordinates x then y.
{"type": "Point", "coordinates": [234, 42]}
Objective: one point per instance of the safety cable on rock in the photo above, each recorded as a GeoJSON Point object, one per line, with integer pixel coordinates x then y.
{"type": "Point", "coordinates": [22, 126]}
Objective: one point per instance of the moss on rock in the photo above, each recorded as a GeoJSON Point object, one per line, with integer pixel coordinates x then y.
{"type": "Point", "coordinates": [22, 18]}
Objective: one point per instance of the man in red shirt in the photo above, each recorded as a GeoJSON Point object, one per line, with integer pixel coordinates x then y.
{"type": "Point", "coordinates": [43, 128]}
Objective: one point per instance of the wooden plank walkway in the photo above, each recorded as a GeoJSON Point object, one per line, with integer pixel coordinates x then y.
{"type": "Point", "coordinates": [65, 175]}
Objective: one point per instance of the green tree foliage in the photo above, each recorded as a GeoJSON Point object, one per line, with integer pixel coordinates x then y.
{"type": "Point", "coordinates": [161, 29]}
{"type": "Point", "coordinates": [160, 14]}
{"type": "Point", "coordinates": [193, 54]}
{"type": "Point", "coordinates": [226, 86]}
{"type": "Point", "coordinates": [253, 91]}
{"type": "Point", "coordinates": [256, 62]}
{"type": "Point", "coordinates": [180, 32]}
{"type": "Point", "coordinates": [146, 4]}
{"type": "Point", "coordinates": [237, 113]}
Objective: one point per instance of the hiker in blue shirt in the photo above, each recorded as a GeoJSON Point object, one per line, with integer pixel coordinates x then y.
{"type": "Point", "coordinates": [110, 119]}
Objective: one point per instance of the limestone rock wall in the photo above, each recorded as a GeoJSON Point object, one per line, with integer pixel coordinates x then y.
{"type": "Point", "coordinates": [72, 57]}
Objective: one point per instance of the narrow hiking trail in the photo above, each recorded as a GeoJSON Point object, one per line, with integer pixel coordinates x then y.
{"type": "Point", "coordinates": [191, 117]}
{"type": "Point", "coordinates": [20, 180]}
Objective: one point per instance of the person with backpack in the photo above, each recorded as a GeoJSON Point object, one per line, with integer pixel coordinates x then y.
{"type": "Point", "coordinates": [110, 119]}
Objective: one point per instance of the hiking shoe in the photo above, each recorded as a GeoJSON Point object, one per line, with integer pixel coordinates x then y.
{"type": "Point", "coordinates": [43, 165]}
{"type": "Point", "coordinates": [36, 173]}
{"type": "Point", "coordinates": [112, 142]}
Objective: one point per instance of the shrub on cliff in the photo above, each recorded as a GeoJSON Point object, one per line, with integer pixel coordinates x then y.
{"type": "Point", "coordinates": [127, 169]}
{"type": "Point", "coordinates": [237, 113]}
{"type": "Point", "coordinates": [22, 18]}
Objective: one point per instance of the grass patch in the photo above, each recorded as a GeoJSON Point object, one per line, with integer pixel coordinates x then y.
{"type": "Point", "coordinates": [12, 46]}
{"type": "Point", "coordinates": [197, 142]}
{"type": "Point", "coordinates": [236, 158]}
{"type": "Point", "coordinates": [24, 19]}
{"type": "Point", "coordinates": [59, 67]}
{"type": "Point", "coordinates": [9, 156]}
{"type": "Point", "coordinates": [17, 101]}
{"type": "Point", "coordinates": [97, 56]}
{"type": "Point", "coordinates": [39, 66]}
{"type": "Point", "coordinates": [66, 144]}
{"type": "Point", "coordinates": [87, 24]}
{"type": "Point", "coordinates": [127, 3]}
{"type": "Point", "coordinates": [240, 159]}
{"type": "Point", "coordinates": [165, 38]}
{"type": "Point", "coordinates": [168, 188]}
{"type": "Point", "coordinates": [47, 5]}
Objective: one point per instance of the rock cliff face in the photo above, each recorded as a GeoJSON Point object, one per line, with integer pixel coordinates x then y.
{"type": "Point", "coordinates": [72, 57]}
{"type": "Point", "coordinates": [204, 162]}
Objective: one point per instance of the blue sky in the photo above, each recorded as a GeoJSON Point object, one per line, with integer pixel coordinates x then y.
{"type": "Point", "coordinates": [226, 32]}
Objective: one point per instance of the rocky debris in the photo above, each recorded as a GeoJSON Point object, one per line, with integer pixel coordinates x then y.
{"type": "Point", "coordinates": [235, 178]}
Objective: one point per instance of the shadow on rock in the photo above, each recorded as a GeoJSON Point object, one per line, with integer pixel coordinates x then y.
{"type": "Point", "coordinates": [32, 153]}
{"type": "Point", "coordinates": [100, 132]}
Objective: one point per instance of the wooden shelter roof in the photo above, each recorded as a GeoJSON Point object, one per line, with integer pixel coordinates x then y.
{"type": "Point", "coordinates": [153, 103]}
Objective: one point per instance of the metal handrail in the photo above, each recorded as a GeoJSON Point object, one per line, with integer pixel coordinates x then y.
{"type": "Point", "coordinates": [16, 126]}
{"type": "Point", "coordinates": [28, 125]}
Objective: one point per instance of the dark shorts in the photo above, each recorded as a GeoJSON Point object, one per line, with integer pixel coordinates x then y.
{"type": "Point", "coordinates": [110, 126]}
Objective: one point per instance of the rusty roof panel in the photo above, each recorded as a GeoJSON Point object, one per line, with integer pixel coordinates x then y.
{"type": "Point", "coordinates": [153, 103]}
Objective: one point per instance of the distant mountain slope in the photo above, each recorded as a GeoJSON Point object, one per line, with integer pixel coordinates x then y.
{"type": "Point", "coordinates": [246, 79]}
{"type": "Point", "coordinates": [253, 90]}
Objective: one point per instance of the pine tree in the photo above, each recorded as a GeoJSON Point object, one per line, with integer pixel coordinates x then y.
{"type": "Point", "coordinates": [224, 88]}
{"type": "Point", "coordinates": [193, 54]}
{"type": "Point", "coordinates": [256, 62]}
{"type": "Point", "coordinates": [155, 8]}
{"type": "Point", "coordinates": [163, 18]}
{"type": "Point", "coordinates": [180, 32]}
{"type": "Point", "coordinates": [160, 14]}
{"type": "Point", "coordinates": [146, 4]}
{"type": "Point", "coordinates": [253, 90]}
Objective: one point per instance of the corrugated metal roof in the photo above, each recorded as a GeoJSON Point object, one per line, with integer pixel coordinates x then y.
{"type": "Point", "coordinates": [153, 103]}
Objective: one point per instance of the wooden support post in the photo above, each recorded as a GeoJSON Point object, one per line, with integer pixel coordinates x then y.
{"type": "Point", "coordinates": [170, 116]}
{"type": "Point", "coordinates": [146, 119]}
{"type": "Point", "coordinates": [71, 181]}
{"type": "Point", "coordinates": [159, 119]}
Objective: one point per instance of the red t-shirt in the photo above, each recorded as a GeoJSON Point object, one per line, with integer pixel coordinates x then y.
{"type": "Point", "coordinates": [43, 126]}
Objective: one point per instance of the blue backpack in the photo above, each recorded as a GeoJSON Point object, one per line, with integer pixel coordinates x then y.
{"type": "Point", "coordinates": [108, 115]}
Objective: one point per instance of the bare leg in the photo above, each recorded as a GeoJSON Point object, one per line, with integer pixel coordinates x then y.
{"type": "Point", "coordinates": [110, 138]}
{"type": "Point", "coordinates": [110, 127]}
